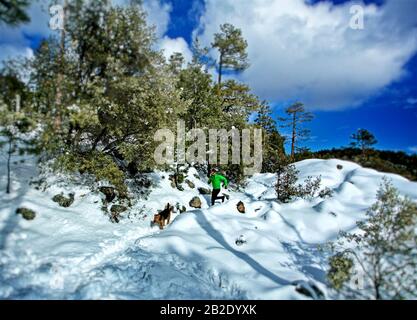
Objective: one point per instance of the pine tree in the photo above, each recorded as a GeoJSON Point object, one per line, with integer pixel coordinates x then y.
{"type": "Point", "coordinates": [196, 86]}
{"type": "Point", "coordinates": [232, 50]}
{"type": "Point", "coordinates": [13, 121]}
{"type": "Point", "coordinates": [13, 11]}
{"type": "Point", "coordinates": [115, 87]}
{"type": "Point", "coordinates": [383, 254]}
{"type": "Point", "coordinates": [176, 63]}
{"type": "Point", "coordinates": [237, 102]}
{"type": "Point", "coordinates": [287, 175]}
{"type": "Point", "coordinates": [364, 140]}
{"type": "Point", "coordinates": [297, 115]}
{"type": "Point", "coordinates": [273, 143]}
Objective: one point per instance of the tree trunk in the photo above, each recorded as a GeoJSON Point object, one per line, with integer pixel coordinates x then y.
{"type": "Point", "coordinates": [9, 157]}
{"type": "Point", "coordinates": [377, 292]}
{"type": "Point", "coordinates": [294, 134]}
{"type": "Point", "coordinates": [220, 69]}
{"type": "Point", "coordinates": [60, 78]}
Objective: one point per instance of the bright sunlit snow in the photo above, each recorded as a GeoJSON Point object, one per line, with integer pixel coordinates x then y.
{"type": "Point", "coordinates": [212, 253]}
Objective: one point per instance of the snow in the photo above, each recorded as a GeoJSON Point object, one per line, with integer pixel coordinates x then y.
{"type": "Point", "coordinates": [209, 253]}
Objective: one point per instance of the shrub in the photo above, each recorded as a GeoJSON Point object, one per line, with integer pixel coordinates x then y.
{"type": "Point", "coordinates": [385, 250]}
{"type": "Point", "coordinates": [287, 190]}
{"type": "Point", "coordinates": [101, 166]}
{"type": "Point", "coordinates": [310, 188]}
{"type": "Point", "coordinates": [26, 213]}
{"type": "Point", "coordinates": [340, 270]}
{"type": "Point", "coordinates": [326, 193]}
{"type": "Point", "coordinates": [285, 186]}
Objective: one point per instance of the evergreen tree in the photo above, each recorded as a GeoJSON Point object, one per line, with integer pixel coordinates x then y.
{"type": "Point", "coordinates": [237, 102]}
{"type": "Point", "coordinates": [297, 115]}
{"type": "Point", "coordinates": [273, 142]}
{"type": "Point", "coordinates": [114, 88]}
{"type": "Point", "coordinates": [383, 255]}
{"type": "Point", "coordinates": [364, 140]}
{"type": "Point", "coordinates": [232, 50]}
{"type": "Point", "coordinates": [287, 176]}
{"type": "Point", "coordinates": [196, 86]}
{"type": "Point", "coordinates": [13, 11]}
{"type": "Point", "coordinates": [13, 121]}
{"type": "Point", "coordinates": [176, 63]}
{"type": "Point", "coordinates": [12, 87]}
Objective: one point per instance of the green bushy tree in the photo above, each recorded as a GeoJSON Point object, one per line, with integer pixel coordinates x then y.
{"type": "Point", "coordinates": [232, 50]}
{"type": "Point", "coordinates": [13, 12]}
{"type": "Point", "coordinates": [364, 140]}
{"type": "Point", "coordinates": [383, 252]}
{"type": "Point", "coordinates": [287, 175]}
{"type": "Point", "coordinates": [273, 142]}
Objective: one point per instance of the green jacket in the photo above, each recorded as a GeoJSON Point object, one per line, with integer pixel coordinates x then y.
{"type": "Point", "coordinates": [216, 180]}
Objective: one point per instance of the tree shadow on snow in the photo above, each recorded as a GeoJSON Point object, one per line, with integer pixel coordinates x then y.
{"type": "Point", "coordinates": [308, 259]}
{"type": "Point", "coordinates": [13, 203]}
{"type": "Point", "coordinates": [216, 235]}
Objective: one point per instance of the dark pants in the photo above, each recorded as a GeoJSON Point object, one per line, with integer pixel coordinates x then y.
{"type": "Point", "coordinates": [214, 196]}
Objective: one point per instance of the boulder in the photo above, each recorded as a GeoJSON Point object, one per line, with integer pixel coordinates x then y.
{"type": "Point", "coordinates": [180, 208]}
{"type": "Point", "coordinates": [190, 184]}
{"type": "Point", "coordinates": [339, 167]}
{"type": "Point", "coordinates": [240, 241]}
{"type": "Point", "coordinates": [195, 203]}
{"type": "Point", "coordinates": [26, 213]}
{"type": "Point", "coordinates": [241, 207]}
{"type": "Point", "coordinates": [204, 191]}
{"type": "Point", "coordinates": [116, 210]}
{"type": "Point", "coordinates": [109, 192]}
{"type": "Point", "coordinates": [64, 201]}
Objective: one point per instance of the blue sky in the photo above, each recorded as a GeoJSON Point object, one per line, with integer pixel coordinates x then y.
{"type": "Point", "coordinates": [302, 51]}
{"type": "Point", "coordinates": [389, 116]}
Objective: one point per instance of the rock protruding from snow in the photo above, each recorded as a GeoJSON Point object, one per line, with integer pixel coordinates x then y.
{"type": "Point", "coordinates": [63, 201]}
{"type": "Point", "coordinates": [204, 191]}
{"type": "Point", "coordinates": [241, 207]}
{"type": "Point", "coordinates": [195, 203]}
{"type": "Point", "coordinates": [190, 184]}
{"type": "Point", "coordinates": [109, 192]}
{"type": "Point", "coordinates": [26, 213]}
{"type": "Point", "coordinates": [116, 210]}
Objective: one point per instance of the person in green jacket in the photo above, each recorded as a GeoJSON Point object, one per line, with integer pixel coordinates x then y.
{"type": "Point", "coordinates": [216, 179]}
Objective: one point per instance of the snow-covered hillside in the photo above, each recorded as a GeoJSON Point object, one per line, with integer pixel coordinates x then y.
{"type": "Point", "coordinates": [209, 253]}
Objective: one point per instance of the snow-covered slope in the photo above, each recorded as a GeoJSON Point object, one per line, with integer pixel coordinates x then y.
{"type": "Point", "coordinates": [210, 253]}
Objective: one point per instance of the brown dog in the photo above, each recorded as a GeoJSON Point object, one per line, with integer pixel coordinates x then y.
{"type": "Point", "coordinates": [163, 216]}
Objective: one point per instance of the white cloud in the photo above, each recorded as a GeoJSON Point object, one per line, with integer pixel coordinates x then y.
{"type": "Point", "coordinates": [158, 15]}
{"type": "Point", "coordinates": [300, 51]}
{"type": "Point", "coordinates": [10, 51]}
{"type": "Point", "coordinates": [170, 46]}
